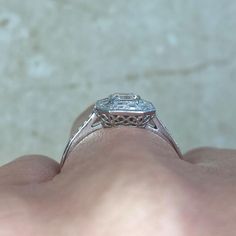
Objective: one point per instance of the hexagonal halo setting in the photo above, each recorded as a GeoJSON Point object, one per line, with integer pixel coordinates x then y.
{"type": "Point", "coordinates": [125, 103]}
{"type": "Point", "coordinates": [124, 109]}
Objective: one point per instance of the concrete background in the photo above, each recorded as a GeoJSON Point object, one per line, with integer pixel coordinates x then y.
{"type": "Point", "coordinates": [57, 57]}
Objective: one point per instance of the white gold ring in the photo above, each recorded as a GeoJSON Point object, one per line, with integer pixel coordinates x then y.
{"type": "Point", "coordinates": [121, 109]}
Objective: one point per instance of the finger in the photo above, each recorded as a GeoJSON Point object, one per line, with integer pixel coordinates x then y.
{"type": "Point", "coordinates": [223, 160]}
{"type": "Point", "coordinates": [118, 144]}
{"type": "Point", "coordinates": [206, 154]}
{"type": "Point", "coordinates": [110, 134]}
{"type": "Point", "coordinates": [107, 143]}
{"type": "Point", "coordinates": [28, 169]}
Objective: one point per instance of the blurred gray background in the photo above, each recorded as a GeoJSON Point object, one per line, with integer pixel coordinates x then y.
{"type": "Point", "coordinates": [57, 57]}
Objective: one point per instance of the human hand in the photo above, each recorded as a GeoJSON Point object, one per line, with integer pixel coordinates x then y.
{"type": "Point", "coordinates": [119, 182]}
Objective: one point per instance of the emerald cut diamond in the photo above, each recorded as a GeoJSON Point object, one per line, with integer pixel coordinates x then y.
{"type": "Point", "coordinates": [124, 103]}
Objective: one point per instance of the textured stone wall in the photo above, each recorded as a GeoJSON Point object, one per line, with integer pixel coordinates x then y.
{"type": "Point", "coordinates": [57, 57]}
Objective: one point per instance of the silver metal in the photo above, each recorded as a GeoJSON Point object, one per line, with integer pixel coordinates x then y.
{"type": "Point", "coordinates": [121, 109]}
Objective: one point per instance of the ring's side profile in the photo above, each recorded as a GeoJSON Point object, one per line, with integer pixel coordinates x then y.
{"type": "Point", "coordinates": [121, 109]}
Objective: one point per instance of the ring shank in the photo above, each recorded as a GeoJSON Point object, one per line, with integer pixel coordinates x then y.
{"type": "Point", "coordinates": [88, 127]}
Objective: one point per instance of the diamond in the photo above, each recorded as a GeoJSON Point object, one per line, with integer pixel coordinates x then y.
{"type": "Point", "coordinates": [124, 103]}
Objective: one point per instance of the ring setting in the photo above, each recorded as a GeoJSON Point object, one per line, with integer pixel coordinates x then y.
{"type": "Point", "coordinates": [120, 109]}
{"type": "Point", "coordinates": [124, 109]}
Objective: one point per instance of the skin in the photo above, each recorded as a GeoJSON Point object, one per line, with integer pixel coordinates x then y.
{"type": "Point", "coordinates": [121, 182]}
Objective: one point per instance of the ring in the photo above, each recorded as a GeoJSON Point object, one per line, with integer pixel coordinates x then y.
{"type": "Point", "coordinates": [120, 109]}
